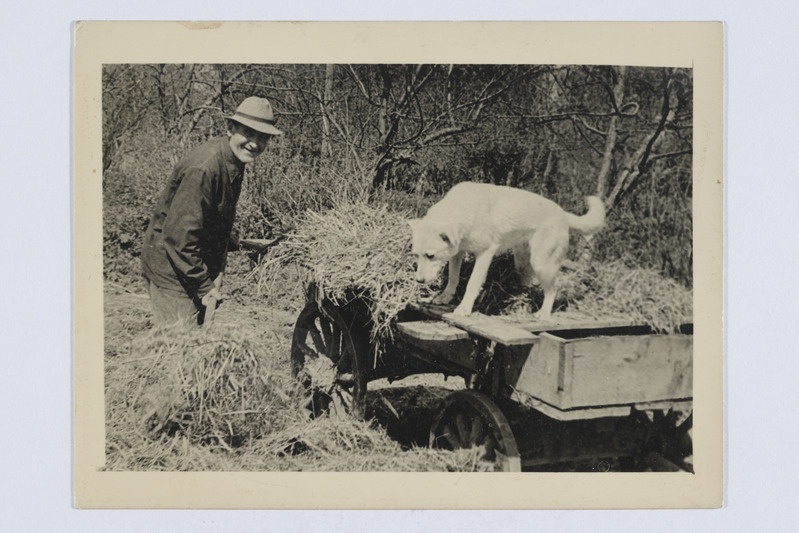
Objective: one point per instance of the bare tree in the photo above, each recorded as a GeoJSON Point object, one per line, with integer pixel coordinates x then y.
{"type": "Point", "coordinates": [421, 106]}
{"type": "Point", "coordinates": [635, 166]}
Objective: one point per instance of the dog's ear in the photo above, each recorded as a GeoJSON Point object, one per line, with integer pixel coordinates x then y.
{"type": "Point", "coordinates": [450, 237]}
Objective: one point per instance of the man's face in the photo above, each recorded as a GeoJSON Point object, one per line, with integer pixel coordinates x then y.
{"type": "Point", "coordinates": [246, 143]}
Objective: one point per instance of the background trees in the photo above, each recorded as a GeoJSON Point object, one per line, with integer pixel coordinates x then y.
{"type": "Point", "coordinates": [406, 133]}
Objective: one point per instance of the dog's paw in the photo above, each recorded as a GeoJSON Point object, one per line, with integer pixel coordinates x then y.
{"type": "Point", "coordinates": [462, 310]}
{"type": "Point", "coordinates": [442, 299]}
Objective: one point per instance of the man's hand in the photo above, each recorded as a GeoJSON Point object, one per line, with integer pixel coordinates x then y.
{"type": "Point", "coordinates": [212, 299]}
{"type": "Point", "coordinates": [218, 282]}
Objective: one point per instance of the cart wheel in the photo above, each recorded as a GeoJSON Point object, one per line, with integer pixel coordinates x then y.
{"type": "Point", "coordinates": [324, 358]}
{"type": "Point", "coordinates": [668, 442]}
{"type": "Point", "coordinates": [470, 419]}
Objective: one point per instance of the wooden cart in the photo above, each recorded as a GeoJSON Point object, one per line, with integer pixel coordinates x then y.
{"type": "Point", "coordinates": [610, 392]}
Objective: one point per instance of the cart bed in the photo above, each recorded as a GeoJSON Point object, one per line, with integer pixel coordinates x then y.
{"type": "Point", "coordinates": [572, 367]}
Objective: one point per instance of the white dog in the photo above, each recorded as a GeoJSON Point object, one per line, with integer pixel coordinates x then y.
{"type": "Point", "coordinates": [485, 220]}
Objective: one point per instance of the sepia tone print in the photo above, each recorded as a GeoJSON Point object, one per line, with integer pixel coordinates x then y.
{"type": "Point", "coordinates": [475, 278]}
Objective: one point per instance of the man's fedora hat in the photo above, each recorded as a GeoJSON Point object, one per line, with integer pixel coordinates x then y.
{"type": "Point", "coordinates": [256, 113]}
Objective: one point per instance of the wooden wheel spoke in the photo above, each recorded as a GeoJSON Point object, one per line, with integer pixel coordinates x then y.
{"type": "Point", "coordinates": [325, 329]}
{"type": "Point", "coordinates": [335, 349]}
{"type": "Point", "coordinates": [317, 338]}
{"type": "Point", "coordinates": [462, 425]}
{"type": "Point", "coordinates": [342, 403]}
{"type": "Point", "coordinates": [344, 361]}
{"type": "Point", "coordinates": [489, 448]}
{"type": "Point", "coordinates": [451, 437]}
{"type": "Point", "coordinates": [478, 433]}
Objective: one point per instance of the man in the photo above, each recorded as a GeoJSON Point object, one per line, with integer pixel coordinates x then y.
{"type": "Point", "coordinates": [186, 243]}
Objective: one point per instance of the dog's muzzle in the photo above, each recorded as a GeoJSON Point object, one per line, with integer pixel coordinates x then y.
{"type": "Point", "coordinates": [428, 276]}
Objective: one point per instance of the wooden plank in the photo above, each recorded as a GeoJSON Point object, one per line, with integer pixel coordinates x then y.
{"type": "Point", "coordinates": [627, 370]}
{"type": "Point", "coordinates": [535, 371]}
{"type": "Point", "coordinates": [432, 330]}
{"type": "Point", "coordinates": [665, 405]}
{"type": "Point", "coordinates": [565, 415]}
{"type": "Point", "coordinates": [492, 329]}
{"type": "Point", "coordinates": [489, 327]}
{"type": "Point", "coordinates": [596, 371]}
{"type": "Point", "coordinates": [586, 413]}
{"type": "Point", "coordinates": [439, 343]}
{"type": "Point", "coordinates": [561, 323]}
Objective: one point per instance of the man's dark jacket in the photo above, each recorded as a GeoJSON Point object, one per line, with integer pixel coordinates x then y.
{"type": "Point", "coordinates": [186, 243]}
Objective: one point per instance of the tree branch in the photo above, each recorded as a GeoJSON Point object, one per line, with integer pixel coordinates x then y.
{"type": "Point", "coordinates": [642, 159]}
{"type": "Point", "coordinates": [655, 157]}
{"type": "Point", "coordinates": [610, 141]}
{"type": "Point", "coordinates": [360, 84]}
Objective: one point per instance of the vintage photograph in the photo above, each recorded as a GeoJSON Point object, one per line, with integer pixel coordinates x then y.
{"type": "Point", "coordinates": [470, 267]}
{"type": "Point", "coordinates": [395, 267]}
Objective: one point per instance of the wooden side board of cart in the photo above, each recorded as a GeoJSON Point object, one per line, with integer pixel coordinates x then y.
{"type": "Point", "coordinates": [538, 393]}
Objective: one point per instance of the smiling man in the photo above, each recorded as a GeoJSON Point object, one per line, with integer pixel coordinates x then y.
{"type": "Point", "coordinates": [186, 243]}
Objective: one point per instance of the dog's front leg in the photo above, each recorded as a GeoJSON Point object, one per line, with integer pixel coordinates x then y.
{"type": "Point", "coordinates": [476, 280]}
{"type": "Point", "coordinates": [453, 278]}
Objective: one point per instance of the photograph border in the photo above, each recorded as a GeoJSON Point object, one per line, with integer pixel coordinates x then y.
{"type": "Point", "coordinates": [695, 45]}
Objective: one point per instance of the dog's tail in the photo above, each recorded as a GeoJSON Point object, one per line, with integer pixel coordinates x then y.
{"type": "Point", "coordinates": [593, 220]}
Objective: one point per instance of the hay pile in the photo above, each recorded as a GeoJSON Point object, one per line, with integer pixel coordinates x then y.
{"type": "Point", "coordinates": [353, 251]}
{"type": "Point", "coordinates": [349, 445]}
{"type": "Point", "coordinates": [617, 289]}
{"type": "Point", "coordinates": [207, 385]}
